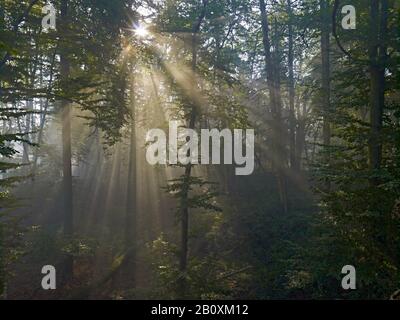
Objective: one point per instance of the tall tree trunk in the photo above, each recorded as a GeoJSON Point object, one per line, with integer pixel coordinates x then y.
{"type": "Point", "coordinates": [273, 82]}
{"type": "Point", "coordinates": [292, 119]}
{"type": "Point", "coordinates": [185, 192]}
{"type": "Point", "coordinates": [326, 82]}
{"type": "Point", "coordinates": [377, 56]}
{"type": "Point", "coordinates": [131, 197]}
{"type": "Point", "coordinates": [25, 156]}
{"type": "Point", "coordinates": [378, 60]}
{"type": "Point", "coordinates": [66, 144]}
{"type": "Point", "coordinates": [188, 169]}
{"type": "Point", "coordinates": [301, 133]}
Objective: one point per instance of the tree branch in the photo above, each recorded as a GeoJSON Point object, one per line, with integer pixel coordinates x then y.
{"type": "Point", "coordinates": [335, 35]}
{"type": "Point", "coordinates": [7, 56]}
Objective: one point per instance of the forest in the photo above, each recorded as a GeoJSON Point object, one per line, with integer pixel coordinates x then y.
{"type": "Point", "coordinates": [199, 149]}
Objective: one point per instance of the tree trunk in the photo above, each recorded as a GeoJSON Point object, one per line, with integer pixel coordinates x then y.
{"type": "Point", "coordinates": [188, 170]}
{"type": "Point", "coordinates": [66, 145]}
{"type": "Point", "coordinates": [377, 56]}
{"type": "Point", "coordinates": [292, 119]}
{"type": "Point", "coordinates": [131, 207]}
{"type": "Point", "coordinates": [273, 82]}
{"type": "Point", "coordinates": [26, 130]}
{"type": "Point", "coordinates": [301, 133]}
{"type": "Point", "coordinates": [185, 194]}
{"type": "Point", "coordinates": [326, 82]}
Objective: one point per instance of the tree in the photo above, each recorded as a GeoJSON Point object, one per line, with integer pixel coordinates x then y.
{"type": "Point", "coordinates": [294, 162]}
{"type": "Point", "coordinates": [66, 143]}
{"type": "Point", "coordinates": [326, 87]}
{"type": "Point", "coordinates": [131, 228]}
{"type": "Point", "coordinates": [377, 57]}
{"type": "Point", "coordinates": [272, 72]}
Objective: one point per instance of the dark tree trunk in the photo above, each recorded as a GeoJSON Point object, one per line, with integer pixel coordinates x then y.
{"type": "Point", "coordinates": [66, 145]}
{"type": "Point", "coordinates": [273, 82]}
{"type": "Point", "coordinates": [326, 82]}
{"type": "Point", "coordinates": [188, 170]}
{"type": "Point", "coordinates": [301, 136]}
{"type": "Point", "coordinates": [377, 56]}
{"type": "Point", "coordinates": [292, 119]}
{"type": "Point", "coordinates": [131, 196]}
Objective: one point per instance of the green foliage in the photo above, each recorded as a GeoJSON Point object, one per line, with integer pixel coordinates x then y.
{"type": "Point", "coordinates": [204, 197]}
{"type": "Point", "coordinates": [242, 242]}
{"type": "Point", "coordinates": [356, 221]}
{"type": "Point", "coordinates": [209, 276]}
